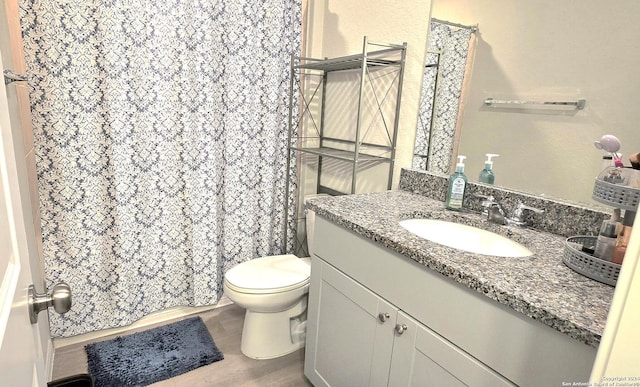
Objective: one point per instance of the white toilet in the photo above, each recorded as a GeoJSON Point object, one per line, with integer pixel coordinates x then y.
{"type": "Point", "coordinates": [273, 290]}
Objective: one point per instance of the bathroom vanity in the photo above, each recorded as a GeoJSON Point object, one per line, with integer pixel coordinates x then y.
{"type": "Point", "coordinates": [388, 308]}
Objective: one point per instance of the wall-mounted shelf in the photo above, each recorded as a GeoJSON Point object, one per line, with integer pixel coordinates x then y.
{"type": "Point", "coordinates": [578, 104]}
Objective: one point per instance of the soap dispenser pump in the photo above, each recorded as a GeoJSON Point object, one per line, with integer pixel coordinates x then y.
{"type": "Point", "coordinates": [457, 185]}
{"type": "Point", "coordinates": [486, 175]}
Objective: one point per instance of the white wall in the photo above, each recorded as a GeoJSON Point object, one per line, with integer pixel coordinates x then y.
{"type": "Point", "coordinates": [547, 50]}
{"type": "Point", "coordinates": [336, 28]}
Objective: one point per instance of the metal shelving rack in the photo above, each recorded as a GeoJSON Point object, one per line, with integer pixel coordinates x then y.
{"type": "Point", "coordinates": [388, 55]}
{"type": "Point", "coordinates": [355, 150]}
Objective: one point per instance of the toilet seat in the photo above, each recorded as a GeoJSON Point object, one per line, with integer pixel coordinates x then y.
{"type": "Point", "coordinates": [273, 274]}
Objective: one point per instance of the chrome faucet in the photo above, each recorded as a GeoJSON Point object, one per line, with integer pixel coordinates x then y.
{"type": "Point", "coordinates": [492, 209]}
{"type": "Point", "coordinates": [496, 214]}
{"type": "Point", "coordinates": [521, 214]}
{"type": "Point", "coordinates": [487, 200]}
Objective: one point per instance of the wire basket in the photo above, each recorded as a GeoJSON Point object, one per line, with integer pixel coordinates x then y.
{"type": "Point", "coordinates": [588, 265]}
{"type": "Point", "coordinates": [617, 195]}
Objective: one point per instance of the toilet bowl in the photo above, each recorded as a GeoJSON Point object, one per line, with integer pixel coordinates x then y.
{"type": "Point", "coordinates": [273, 290]}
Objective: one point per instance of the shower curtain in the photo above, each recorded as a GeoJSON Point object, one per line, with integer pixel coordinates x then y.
{"type": "Point", "coordinates": [161, 143]}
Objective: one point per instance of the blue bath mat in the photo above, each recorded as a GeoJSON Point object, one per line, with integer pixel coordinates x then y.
{"type": "Point", "coordinates": [152, 355]}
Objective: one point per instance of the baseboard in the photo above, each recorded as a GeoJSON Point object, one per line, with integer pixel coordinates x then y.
{"type": "Point", "coordinates": [154, 318]}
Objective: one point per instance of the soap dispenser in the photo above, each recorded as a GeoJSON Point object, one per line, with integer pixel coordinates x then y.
{"type": "Point", "coordinates": [457, 185]}
{"type": "Point", "coordinates": [486, 175]}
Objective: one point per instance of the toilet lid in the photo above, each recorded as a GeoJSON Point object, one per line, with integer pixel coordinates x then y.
{"type": "Point", "coordinates": [274, 273]}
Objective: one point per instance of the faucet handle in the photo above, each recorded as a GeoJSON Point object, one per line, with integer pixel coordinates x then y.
{"type": "Point", "coordinates": [522, 208]}
{"type": "Point", "coordinates": [488, 198]}
{"type": "Point", "coordinates": [519, 215]}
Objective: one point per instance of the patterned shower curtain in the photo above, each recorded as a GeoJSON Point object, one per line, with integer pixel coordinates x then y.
{"type": "Point", "coordinates": [161, 143]}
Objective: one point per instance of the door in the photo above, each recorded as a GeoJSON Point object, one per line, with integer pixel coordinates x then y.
{"type": "Point", "coordinates": [422, 358]}
{"type": "Point", "coordinates": [349, 331]}
{"type": "Point", "coordinates": [21, 352]}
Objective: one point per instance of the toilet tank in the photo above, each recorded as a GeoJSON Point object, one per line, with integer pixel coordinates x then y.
{"type": "Point", "coordinates": [310, 223]}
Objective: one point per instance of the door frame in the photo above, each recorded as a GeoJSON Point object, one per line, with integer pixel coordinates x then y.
{"type": "Point", "coordinates": [17, 114]}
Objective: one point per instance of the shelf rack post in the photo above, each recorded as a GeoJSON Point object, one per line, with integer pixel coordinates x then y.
{"type": "Point", "coordinates": [321, 134]}
{"type": "Point", "coordinates": [396, 119]}
{"type": "Point", "coordinates": [356, 151]}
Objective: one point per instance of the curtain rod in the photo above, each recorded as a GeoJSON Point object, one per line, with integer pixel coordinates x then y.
{"type": "Point", "coordinates": [472, 28]}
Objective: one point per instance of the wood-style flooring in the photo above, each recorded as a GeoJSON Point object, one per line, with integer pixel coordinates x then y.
{"type": "Point", "coordinates": [225, 326]}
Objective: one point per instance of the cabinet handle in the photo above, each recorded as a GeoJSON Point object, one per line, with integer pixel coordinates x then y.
{"type": "Point", "coordinates": [400, 328]}
{"type": "Point", "coordinates": [383, 317]}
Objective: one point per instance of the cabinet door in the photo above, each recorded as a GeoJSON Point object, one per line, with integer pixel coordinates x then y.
{"type": "Point", "coordinates": [348, 344]}
{"type": "Point", "coordinates": [423, 358]}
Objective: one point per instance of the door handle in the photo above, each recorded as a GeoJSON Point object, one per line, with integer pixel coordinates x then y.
{"type": "Point", "coordinates": [59, 298]}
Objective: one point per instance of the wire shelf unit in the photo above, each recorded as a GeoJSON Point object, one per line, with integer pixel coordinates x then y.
{"type": "Point", "coordinates": [309, 131]}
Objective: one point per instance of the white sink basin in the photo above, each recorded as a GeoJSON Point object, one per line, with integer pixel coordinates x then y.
{"type": "Point", "coordinates": [467, 238]}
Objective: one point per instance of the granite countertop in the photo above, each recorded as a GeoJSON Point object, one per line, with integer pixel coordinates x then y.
{"type": "Point", "coordinates": [540, 286]}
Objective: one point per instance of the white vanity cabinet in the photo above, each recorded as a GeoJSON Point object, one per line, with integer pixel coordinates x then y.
{"type": "Point", "coordinates": [351, 343]}
{"type": "Point", "coordinates": [377, 318]}
{"type": "Point", "coordinates": [359, 339]}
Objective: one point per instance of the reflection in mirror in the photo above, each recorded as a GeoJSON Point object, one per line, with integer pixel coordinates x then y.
{"type": "Point", "coordinates": [547, 50]}
{"type": "Point", "coordinates": [448, 58]}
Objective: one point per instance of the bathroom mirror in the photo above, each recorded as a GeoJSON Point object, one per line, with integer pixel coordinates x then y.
{"type": "Point", "coordinates": [546, 51]}
{"type": "Point", "coordinates": [448, 58]}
